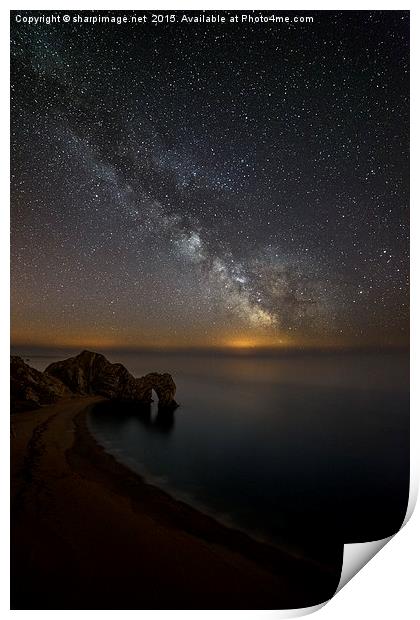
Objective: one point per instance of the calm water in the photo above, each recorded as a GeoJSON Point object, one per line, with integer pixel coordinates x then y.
{"type": "Point", "coordinates": [296, 449]}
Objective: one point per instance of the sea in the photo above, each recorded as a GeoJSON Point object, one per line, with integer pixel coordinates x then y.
{"type": "Point", "coordinates": [297, 449]}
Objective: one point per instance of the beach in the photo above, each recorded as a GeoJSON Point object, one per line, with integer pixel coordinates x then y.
{"type": "Point", "coordinates": [88, 533]}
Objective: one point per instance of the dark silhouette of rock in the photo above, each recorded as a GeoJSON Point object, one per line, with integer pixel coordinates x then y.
{"type": "Point", "coordinates": [30, 388]}
{"type": "Point", "coordinates": [162, 384]}
{"type": "Point", "coordinates": [86, 373]}
{"type": "Point", "coordinates": [92, 373]}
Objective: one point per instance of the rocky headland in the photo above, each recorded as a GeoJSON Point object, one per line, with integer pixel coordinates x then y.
{"type": "Point", "coordinates": [86, 374]}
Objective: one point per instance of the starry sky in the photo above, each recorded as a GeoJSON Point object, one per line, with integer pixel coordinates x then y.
{"type": "Point", "coordinates": [210, 185]}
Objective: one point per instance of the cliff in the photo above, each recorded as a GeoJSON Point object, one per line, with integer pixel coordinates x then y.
{"type": "Point", "coordinates": [30, 389]}
{"type": "Point", "coordinates": [86, 373]}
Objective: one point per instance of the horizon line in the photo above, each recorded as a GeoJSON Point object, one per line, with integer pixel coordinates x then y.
{"type": "Point", "coordinates": [214, 348]}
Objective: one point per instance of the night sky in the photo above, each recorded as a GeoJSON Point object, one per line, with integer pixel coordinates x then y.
{"type": "Point", "coordinates": [211, 185]}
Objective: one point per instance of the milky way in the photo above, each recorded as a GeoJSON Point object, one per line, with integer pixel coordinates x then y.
{"type": "Point", "coordinates": [211, 184]}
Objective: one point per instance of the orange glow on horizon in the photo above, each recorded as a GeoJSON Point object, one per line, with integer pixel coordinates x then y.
{"type": "Point", "coordinates": [250, 343]}
{"type": "Point", "coordinates": [62, 339]}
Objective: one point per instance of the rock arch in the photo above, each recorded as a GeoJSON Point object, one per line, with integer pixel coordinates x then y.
{"type": "Point", "coordinates": [92, 373]}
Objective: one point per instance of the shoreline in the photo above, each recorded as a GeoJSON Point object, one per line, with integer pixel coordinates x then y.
{"type": "Point", "coordinates": [154, 551]}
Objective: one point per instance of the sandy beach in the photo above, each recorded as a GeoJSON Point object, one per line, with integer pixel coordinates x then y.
{"type": "Point", "coordinates": [88, 533]}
